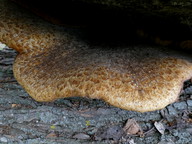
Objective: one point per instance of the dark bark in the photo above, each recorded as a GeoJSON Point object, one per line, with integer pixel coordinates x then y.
{"type": "Point", "coordinates": [167, 23]}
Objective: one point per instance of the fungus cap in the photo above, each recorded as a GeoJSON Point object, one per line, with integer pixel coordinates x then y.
{"type": "Point", "coordinates": [53, 64]}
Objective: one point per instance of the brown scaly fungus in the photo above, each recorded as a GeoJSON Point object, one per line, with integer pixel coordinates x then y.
{"type": "Point", "coordinates": [53, 64]}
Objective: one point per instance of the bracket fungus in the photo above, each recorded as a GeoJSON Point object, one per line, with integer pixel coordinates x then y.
{"type": "Point", "coordinates": [53, 64]}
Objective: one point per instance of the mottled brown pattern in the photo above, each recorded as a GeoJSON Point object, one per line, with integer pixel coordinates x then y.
{"type": "Point", "coordinates": [53, 64]}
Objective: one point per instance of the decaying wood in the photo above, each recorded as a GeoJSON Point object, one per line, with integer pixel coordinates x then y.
{"type": "Point", "coordinates": [76, 120]}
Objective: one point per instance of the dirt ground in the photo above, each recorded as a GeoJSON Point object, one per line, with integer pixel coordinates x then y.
{"type": "Point", "coordinates": [87, 121]}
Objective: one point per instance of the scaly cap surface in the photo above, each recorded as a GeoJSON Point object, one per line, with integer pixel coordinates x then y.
{"type": "Point", "coordinates": [53, 64]}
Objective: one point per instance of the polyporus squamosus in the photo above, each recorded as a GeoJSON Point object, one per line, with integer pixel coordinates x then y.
{"type": "Point", "coordinates": [53, 64]}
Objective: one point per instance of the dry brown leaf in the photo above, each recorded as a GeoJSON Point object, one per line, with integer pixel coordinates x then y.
{"type": "Point", "coordinates": [132, 127]}
{"type": "Point", "coordinates": [51, 135]}
{"type": "Point", "coordinates": [15, 105]}
{"type": "Point", "coordinates": [160, 127]}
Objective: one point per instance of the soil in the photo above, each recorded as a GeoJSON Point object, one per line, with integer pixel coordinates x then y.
{"type": "Point", "coordinates": [88, 121]}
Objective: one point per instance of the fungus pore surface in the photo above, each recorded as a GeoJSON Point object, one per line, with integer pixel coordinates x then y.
{"type": "Point", "coordinates": [52, 63]}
